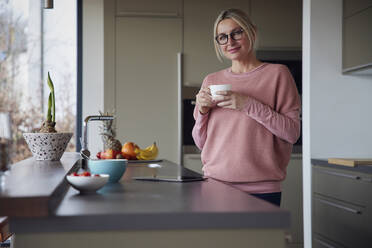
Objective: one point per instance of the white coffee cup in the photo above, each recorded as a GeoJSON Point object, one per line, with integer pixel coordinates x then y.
{"type": "Point", "coordinates": [218, 87]}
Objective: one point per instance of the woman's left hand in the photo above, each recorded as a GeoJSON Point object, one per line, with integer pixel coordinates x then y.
{"type": "Point", "coordinates": [231, 100]}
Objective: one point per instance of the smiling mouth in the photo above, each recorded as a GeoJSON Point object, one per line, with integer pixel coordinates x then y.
{"type": "Point", "coordinates": [234, 50]}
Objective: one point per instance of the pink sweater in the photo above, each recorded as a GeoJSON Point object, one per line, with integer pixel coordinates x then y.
{"type": "Point", "coordinates": [250, 149]}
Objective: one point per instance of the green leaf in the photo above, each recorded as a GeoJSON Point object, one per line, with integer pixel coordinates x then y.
{"type": "Point", "coordinates": [50, 83]}
{"type": "Point", "coordinates": [49, 115]}
{"type": "Point", "coordinates": [51, 87]}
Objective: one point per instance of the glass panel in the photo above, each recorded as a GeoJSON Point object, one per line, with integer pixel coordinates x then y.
{"type": "Point", "coordinates": [60, 51]}
{"type": "Point", "coordinates": [34, 41]}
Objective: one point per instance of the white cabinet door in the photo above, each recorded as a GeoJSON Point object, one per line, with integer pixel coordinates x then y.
{"type": "Point", "coordinates": [279, 23]}
{"type": "Point", "coordinates": [146, 97]}
{"type": "Point", "coordinates": [199, 56]}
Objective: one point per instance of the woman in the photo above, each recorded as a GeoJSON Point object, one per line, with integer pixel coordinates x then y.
{"type": "Point", "coordinates": [246, 134]}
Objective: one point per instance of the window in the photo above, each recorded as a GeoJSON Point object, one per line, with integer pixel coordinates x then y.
{"type": "Point", "coordinates": [33, 42]}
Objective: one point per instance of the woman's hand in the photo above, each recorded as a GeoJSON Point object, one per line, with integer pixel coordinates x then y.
{"type": "Point", "coordinates": [231, 100]}
{"type": "Point", "coordinates": [204, 100]}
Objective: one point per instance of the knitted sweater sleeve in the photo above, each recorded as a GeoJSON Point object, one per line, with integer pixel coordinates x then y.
{"type": "Point", "coordinates": [283, 121]}
{"type": "Point", "coordinates": [199, 131]}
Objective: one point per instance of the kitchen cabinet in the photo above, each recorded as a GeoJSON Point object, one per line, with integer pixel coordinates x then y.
{"type": "Point", "coordinates": [146, 85]}
{"type": "Point", "coordinates": [292, 200]}
{"type": "Point", "coordinates": [357, 36]}
{"type": "Point", "coordinates": [280, 29]}
{"type": "Point", "coordinates": [342, 208]}
{"type": "Point", "coordinates": [170, 8]}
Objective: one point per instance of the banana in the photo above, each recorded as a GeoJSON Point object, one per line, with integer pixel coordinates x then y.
{"type": "Point", "coordinates": [149, 153]}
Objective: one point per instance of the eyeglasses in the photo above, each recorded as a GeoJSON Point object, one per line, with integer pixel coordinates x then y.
{"type": "Point", "coordinates": [222, 39]}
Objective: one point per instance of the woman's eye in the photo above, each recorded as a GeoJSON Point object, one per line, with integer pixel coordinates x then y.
{"type": "Point", "coordinates": [222, 37]}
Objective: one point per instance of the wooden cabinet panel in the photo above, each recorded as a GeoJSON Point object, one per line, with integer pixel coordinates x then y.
{"type": "Point", "coordinates": [146, 82]}
{"type": "Point", "coordinates": [352, 7]}
{"type": "Point", "coordinates": [358, 40]}
{"type": "Point", "coordinates": [199, 56]}
{"type": "Point", "coordinates": [279, 23]}
{"type": "Point", "coordinates": [149, 7]}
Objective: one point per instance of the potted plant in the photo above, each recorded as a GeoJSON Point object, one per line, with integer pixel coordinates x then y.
{"type": "Point", "coordinates": [47, 143]}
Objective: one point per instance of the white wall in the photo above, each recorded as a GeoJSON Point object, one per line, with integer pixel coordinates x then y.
{"type": "Point", "coordinates": [93, 68]}
{"type": "Point", "coordinates": [337, 114]}
{"type": "Point", "coordinates": [341, 115]}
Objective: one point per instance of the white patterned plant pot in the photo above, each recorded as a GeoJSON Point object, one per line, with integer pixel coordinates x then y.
{"type": "Point", "coordinates": [47, 146]}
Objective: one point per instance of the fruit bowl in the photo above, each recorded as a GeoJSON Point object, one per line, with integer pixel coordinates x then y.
{"type": "Point", "coordinates": [87, 184]}
{"type": "Point", "coordinates": [115, 168]}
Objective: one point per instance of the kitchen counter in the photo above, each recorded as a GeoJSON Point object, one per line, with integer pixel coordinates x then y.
{"type": "Point", "coordinates": [210, 208]}
{"type": "Point", "coordinates": [359, 168]}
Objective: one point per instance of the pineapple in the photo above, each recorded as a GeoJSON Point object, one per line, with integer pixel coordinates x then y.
{"type": "Point", "coordinates": [108, 134]}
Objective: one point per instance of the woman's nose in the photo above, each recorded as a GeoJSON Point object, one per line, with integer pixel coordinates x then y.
{"type": "Point", "coordinates": [230, 41]}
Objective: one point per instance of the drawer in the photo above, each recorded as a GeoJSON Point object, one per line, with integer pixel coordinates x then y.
{"type": "Point", "coordinates": [320, 241]}
{"type": "Point", "coordinates": [343, 185]}
{"type": "Point", "coordinates": [344, 223]}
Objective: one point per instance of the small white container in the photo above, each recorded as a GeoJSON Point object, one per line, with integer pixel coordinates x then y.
{"type": "Point", "coordinates": [219, 87]}
{"type": "Point", "coordinates": [87, 184]}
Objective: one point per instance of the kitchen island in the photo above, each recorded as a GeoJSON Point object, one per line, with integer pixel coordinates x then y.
{"type": "Point", "coordinates": [135, 213]}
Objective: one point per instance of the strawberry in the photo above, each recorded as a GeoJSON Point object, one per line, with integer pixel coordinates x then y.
{"type": "Point", "coordinates": [98, 155]}
{"type": "Point", "coordinates": [86, 174]}
{"type": "Point", "coordinates": [75, 174]}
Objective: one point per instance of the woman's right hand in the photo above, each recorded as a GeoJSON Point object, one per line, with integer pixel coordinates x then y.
{"type": "Point", "coordinates": [204, 100]}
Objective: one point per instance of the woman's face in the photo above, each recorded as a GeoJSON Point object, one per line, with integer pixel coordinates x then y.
{"type": "Point", "coordinates": [234, 49]}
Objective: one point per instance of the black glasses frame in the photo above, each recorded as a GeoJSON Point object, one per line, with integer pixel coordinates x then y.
{"type": "Point", "coordinates": [231, 36]}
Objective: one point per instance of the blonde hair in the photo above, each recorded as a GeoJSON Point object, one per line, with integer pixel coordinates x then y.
{"type": "Point", "coordinates": [242, 19]}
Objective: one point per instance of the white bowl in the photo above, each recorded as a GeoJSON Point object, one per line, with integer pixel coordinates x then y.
{"type": "Point", "coordinates": [87, 184]}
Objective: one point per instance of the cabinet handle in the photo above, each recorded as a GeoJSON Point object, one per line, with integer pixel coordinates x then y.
{"type": "Point", "coordinates": [352, 210]}
{"type": "Point", "coordinates": [179, 107]}
{"type": "Point", "coordinates": [324, 243]}
{"type": "Point", "coordinates": [339, 174]}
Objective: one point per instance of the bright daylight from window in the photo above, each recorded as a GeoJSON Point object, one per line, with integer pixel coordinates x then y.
{"type": "Point", "coordinates": [33, 42]}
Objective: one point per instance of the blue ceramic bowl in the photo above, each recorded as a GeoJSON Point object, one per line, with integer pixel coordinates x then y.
{"type": "Point", "coordinates": [113, 167]}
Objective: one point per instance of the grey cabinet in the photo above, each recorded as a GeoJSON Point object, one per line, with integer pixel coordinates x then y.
{"type": "Point", "coordinates": [279, 24]}
{"type": "Point", "coordinates": [161, 8]}
{"type": "Point", "coordinates": [357, 36]}
{"type": "Point", "coordinates": [292, 200]}
{"type": "Point", "coordinates": [342, 208]}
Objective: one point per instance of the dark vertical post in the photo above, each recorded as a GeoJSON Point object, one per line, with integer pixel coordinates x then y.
{"type": "Point", "coordinates": [79, 90]}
